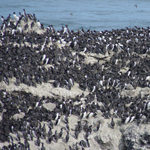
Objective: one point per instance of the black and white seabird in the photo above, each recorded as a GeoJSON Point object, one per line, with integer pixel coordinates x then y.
{"type": "Point", "coordinates": [57, 115]}
{"type": "Point", "coordinates": [67, 126]}
{"type": "Point", "coordinates": [85, 127]}
{"type": "Point", "coordinates": [16, 17]}
{"type": "Point", "coordinates": [112, 123]}
{"type": "Point", "coordinates": [39, 24]}
{"type": "Point", "coordinates": [66, 119]}
{"type": "Point", "coordinates": [3, 20]}
{"type": "Point", "coordinates": [57, 121]}
{"type": "Point", "coordinates": [76, 134]}
{"type": "Point", "coordinates": [43, 148]}
{"type": "Point", "coordinates": [83, 115]}
{"type": "Point", "coordinates": [90, 129]}
{"type": "Point", "coordinates": [79, 126]}
{"type": "Point", "coordinates": [26, 143]}
{"type": "Point", "coordinates": [83, 143]}
{"type": "Point", "coordinates": [67, 137]}
{"type": "Point", "coordinates": [50, 138]}
{"type": "Point", "coordinates": [56, 136]}
{"type": "Point", "coordinates": [98, 125]}
{"type": "Point", "coordinates": [61, 133]}
{"type": "Point", "coordinates": [38, 142]}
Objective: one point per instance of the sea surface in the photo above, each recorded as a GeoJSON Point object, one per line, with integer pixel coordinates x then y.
{"type": "Point", "coordinates": [97, 15]}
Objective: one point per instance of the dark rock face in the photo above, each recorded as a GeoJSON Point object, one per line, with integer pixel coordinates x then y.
{"type": "Point", "coordinates": [119, 63]}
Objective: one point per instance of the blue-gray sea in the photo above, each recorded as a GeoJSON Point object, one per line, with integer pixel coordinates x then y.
{"type": "Point", "coordinates": [87, 14]}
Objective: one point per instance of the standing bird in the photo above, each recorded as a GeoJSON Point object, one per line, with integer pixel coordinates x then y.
{"type": "Point", "coordinates": [83, 114]}
{"type": "Point", "coordinates": [51, 124]}
{"type": "Point", "coordinates": [67, 137]}
{"type": "Point", "coordinates": [2, 18]}
{"type": "Point", "coordinates": [34, 18]}
{"type": "Point", "coordinates": [26, 27]}
{"type": "Point", "coordinates": [44, 128]}
{"type": "Point", "coordinates": [32, 24]}
{"type": "Point", "coordinates": [79, 126]}
{"type": "Point", "coordinates": [26, 143]}
{"type": "Point", "coordinates": [87, 141]}
{"type": "Point", "coordinates": [43, 148]}
{"type": "Point", "coordinates": [67, 127]}
{"type": "Point", "coordinates": [98, 125]}
{"type": "Point", "coordinates": [8, 19]}
{"type": "Point", "coordinates": [25, 15]}
{"type": "Point", "coordinates": [56, 136]}
{"type": "Point", "coordinates": [57, 121]}
{"type": "Point", "coordinates": [61, 133]}
{"type": "Point", "coordinates": [50, 132]}
{"type": "Point", "coordinates": [16, 17]}
{"type": "Point", "coordinates": [57, 114]}
{"type": "Point", "coordinates": [18, 136]}
{"type": "Point", "coordinates": [38, 141]}
{"type": "Point", "coordinates": [39, 24]}
{"type": "Point", "coordinates": [66, 119]}
{"type": "Point", "coordinates": [112, 123]}
{"type": "Point", "coordinates": [76, 134]}
{"type": "Point", "coordinates": [50, 138]}
{"type": "Point", "coordinates": [90, 129]}
{"type": "Point", "coordinates": [85, 127]}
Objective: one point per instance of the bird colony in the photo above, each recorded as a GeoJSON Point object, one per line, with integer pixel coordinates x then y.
{"type": "Point", "coordinates": [94, 82]}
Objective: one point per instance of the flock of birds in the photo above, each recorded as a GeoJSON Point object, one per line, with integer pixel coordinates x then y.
{"type": "Point", "coordinates": [34, 58]}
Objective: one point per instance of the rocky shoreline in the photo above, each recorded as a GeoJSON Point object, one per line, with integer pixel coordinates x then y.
{"type": "Point", "coordinates": [63, 88]}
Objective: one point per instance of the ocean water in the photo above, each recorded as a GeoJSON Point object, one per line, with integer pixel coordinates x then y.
{"type": "Point", "coordinates": [87, 14]}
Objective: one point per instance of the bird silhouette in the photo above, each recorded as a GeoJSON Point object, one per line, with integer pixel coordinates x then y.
{"type": "Point", "coordinates": [112, 123]}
